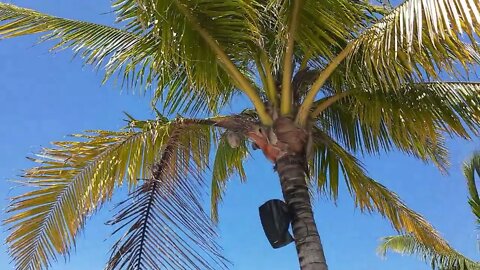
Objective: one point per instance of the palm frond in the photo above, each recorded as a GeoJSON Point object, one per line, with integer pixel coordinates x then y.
{"type": "Point", "coordinates": [330, 159]}
{"type": "Point", "coordinates": [442, 260]}
{"type": "Point", "coordinates": [413, 119]}
{"type": "Point", "coordinates": [93, 42]}
{"type": "Point", "coordinates": [208, 41]}
{"type": "Point", "coordinates": [326, 26]}
{"type": "Point", "coordinates": [415, 41]}
{"type": "Point", "coordinates": [470, 168]}
{"type": "Point", "coordinates": [232, 24]}
{"type": "Point", "coordinates": [228, 162]}
{"type": "Point", "coordinates": [136, 57]}
{"type": "Point", "coordinates": [76, 177]}
{"type": "Point", "coordinates": [165, 224]}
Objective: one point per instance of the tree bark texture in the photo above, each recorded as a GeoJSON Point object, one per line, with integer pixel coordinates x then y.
{"type": "Point", "coordinates": [291, 169]}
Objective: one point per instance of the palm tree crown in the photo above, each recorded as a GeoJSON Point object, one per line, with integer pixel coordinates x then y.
{"type": "Point", "coordinates": [327, 79]}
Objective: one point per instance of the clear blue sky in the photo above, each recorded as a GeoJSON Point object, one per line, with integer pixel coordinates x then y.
{"type": "Point", "coordinates": [44, 97]}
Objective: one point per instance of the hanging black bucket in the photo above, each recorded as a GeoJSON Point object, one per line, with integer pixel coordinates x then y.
{"type": "Point", "coordinates": [275, 220]}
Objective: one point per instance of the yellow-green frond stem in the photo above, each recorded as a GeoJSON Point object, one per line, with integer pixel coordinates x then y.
{"type": "Point", "coordinates": [265, 77]}
{"type": "Point", "coordinates": [241, 81]}
{"type": "Point", "coordinates": [306, 106]}
{"type": "Point", "coordinates": [305, 60]}
{"type": "Point", "coordinates": [261, 74]}
{"type": "Point", "coordinates": [327, 102]}
{"type": "Point", "coordinates": [271, 87]}
{"type": "Point", "coordinates": [288, 65]}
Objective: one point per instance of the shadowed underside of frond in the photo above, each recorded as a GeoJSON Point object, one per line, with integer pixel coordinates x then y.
{"type": "Point", "coordinates": [251, 27]}
{"type": "Point", "coordinates": [440, 259]}
{"type": "Point", "coordinates": [166, 227]}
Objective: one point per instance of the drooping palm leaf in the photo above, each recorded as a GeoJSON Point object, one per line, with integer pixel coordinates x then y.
{"type": "Point", "coordinates": [136, 57]}
{"type": "Point", "coordinates": [166, 227]}
{"type": "Point", "coordinates": [413, 119]}
{"type": "Point", "coordinates": [331, 160]}
{"type": "Point", "coordinates": [442, 260]}
{"type": "Point", "coordinates": [415, 41]}
{"type": "Point", "coordinates": [96, 43]}
{"type": "Point", "coordinates": [76, 177]}
{"type": "Point", "coordinates": [228, 162]}
{"type": "Point", "coordinates": [470, 168]}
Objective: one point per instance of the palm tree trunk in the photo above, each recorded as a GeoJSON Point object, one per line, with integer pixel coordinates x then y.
{"type": "Point", "coordinates": [291, 170]}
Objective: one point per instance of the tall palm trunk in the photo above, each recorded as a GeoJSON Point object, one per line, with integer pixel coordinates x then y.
{"type": "Point", "coordinates": [291, 170]}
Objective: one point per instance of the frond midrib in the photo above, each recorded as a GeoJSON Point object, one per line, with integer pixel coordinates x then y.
{"type": "Point", "coordinates": [145, 221]}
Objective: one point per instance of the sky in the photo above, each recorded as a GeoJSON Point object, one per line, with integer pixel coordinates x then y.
{"type": "Point", "coordinates": [45, 96]}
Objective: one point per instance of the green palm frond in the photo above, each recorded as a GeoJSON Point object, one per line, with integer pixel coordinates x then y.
{"type": "Point", "coordinates": [95, 43]}
{"type": "Point", "coordinates": [326, 26]}
{"type": "Point", "coordinates": [132, 13]}
{"type": "Point", "coordinates": [415, 41]}
{"type": "Point", "coordinates": [314, 32]}
{"type": "Point", "coordinates": [414, 118]}
{"type": "Point", "coordinates": [232, 24]}
{"type": "Point", "coordinates": [191, 82]}
{"type": "Point", "coordinates": [76, 177]}
{"type": "Point", "coordinates": [165, 225]}
{"type": "Point", "coordinates": [470, 168]}
{"type": "Point", "coordinates": [228, 162]}
{"type": "Point", "coordinates": [247, 29]}
{"type": "Point", "coordinates": [330, 159]}
{"type": "Point", "coordinates": [208, 41]}
{"type": "Point", "coordinates": [442, 260]}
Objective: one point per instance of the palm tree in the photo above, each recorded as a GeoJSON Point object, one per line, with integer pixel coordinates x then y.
{"type": "Point", "coordinates": [448, 260]}
{"type": "Point", "coordinates": [327, 80]}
